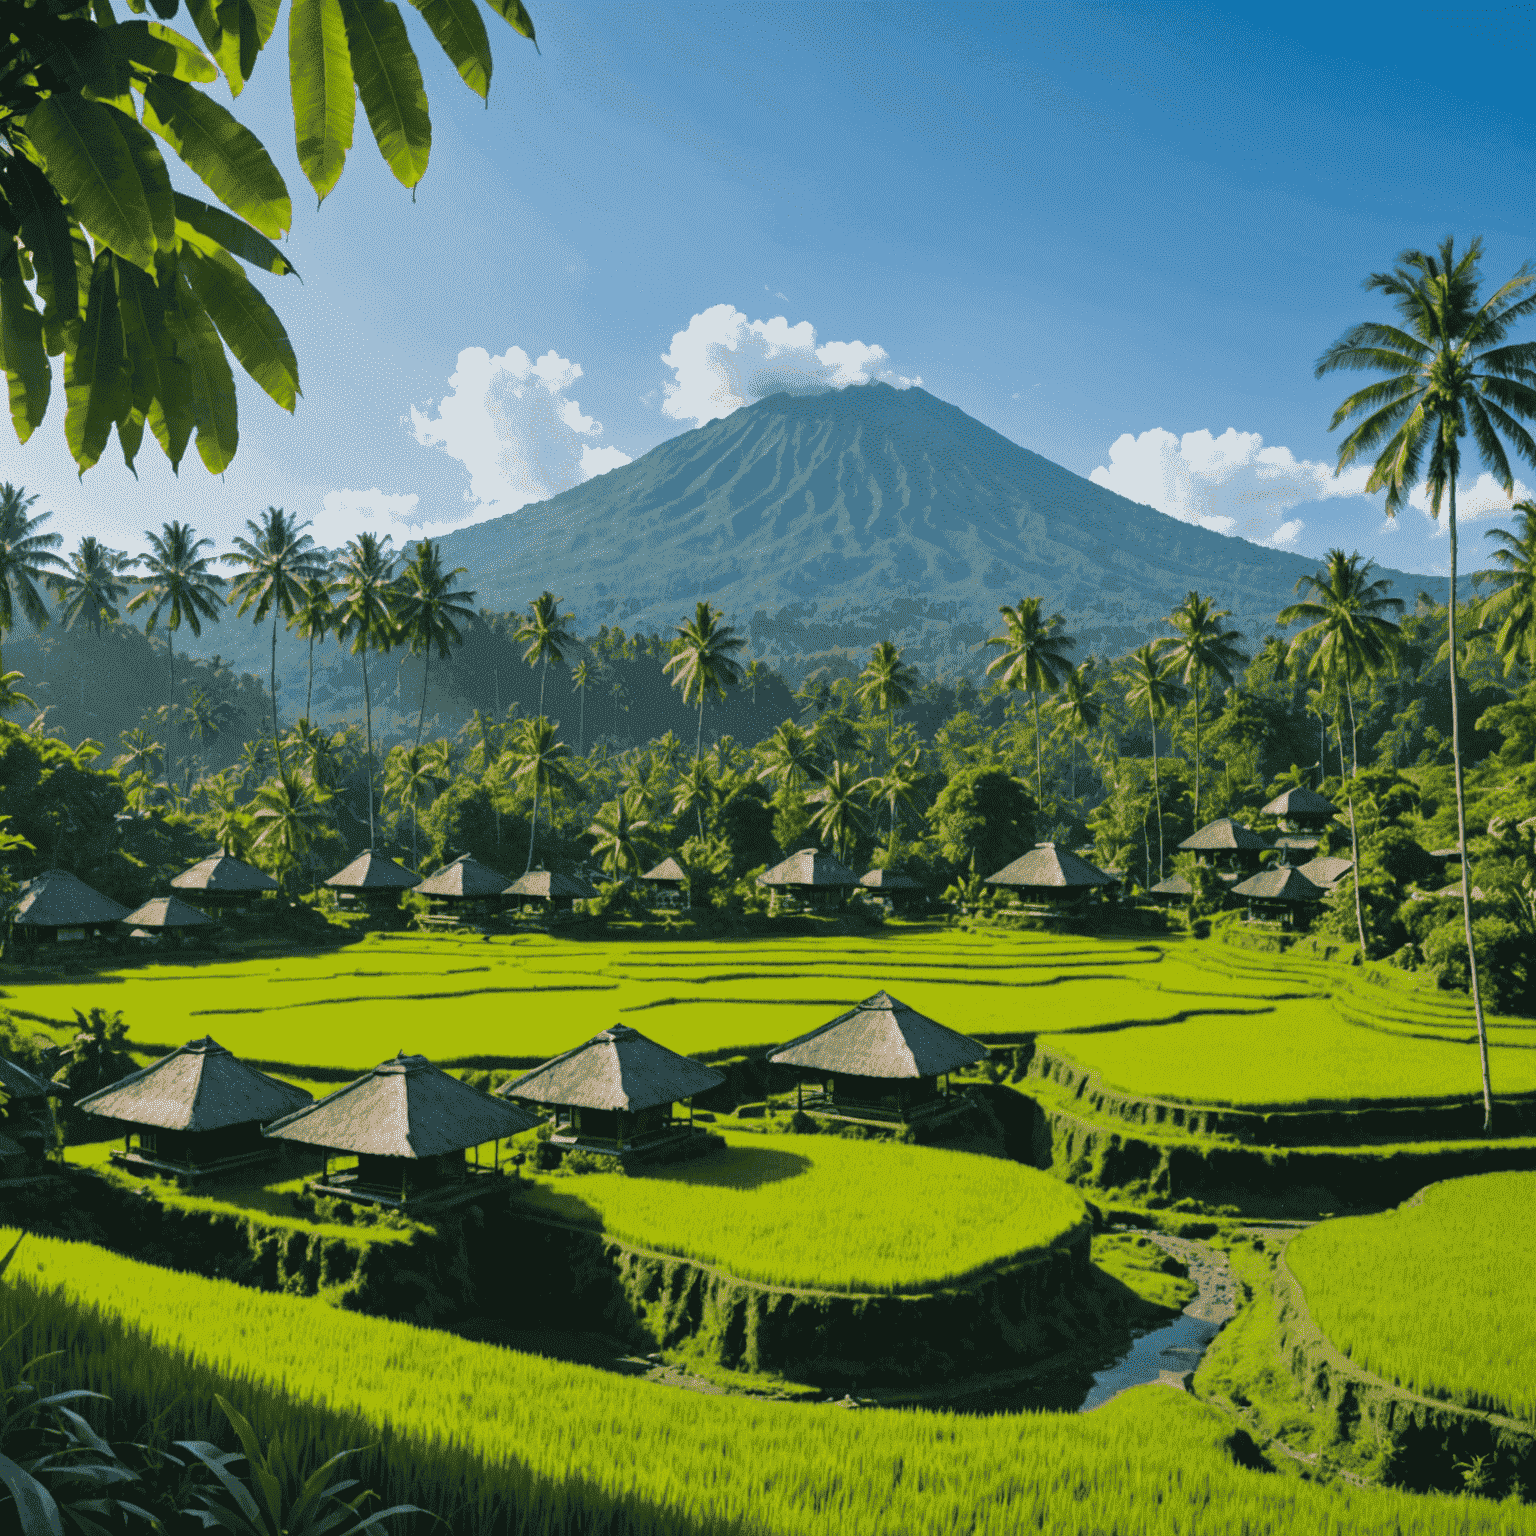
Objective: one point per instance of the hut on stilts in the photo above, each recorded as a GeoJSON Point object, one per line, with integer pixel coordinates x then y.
{"type": "Point", "coordinates": [56, 907]}
{"type": "Point", "coordinates": [812, 877]}
{"type": "Point", "coordinates": [165, 917]}
{"type": "Point", "coordinates": [463, 891]}
{"type": "Point", "coordinates": [225, 886]}
{"type": "Point", "coordinates": [373, 884]}
{"type": "Point", "coordinates": [1050, 879]}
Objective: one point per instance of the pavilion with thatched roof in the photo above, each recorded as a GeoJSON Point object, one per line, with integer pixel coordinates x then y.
{"type": "Point", "coordinates": [880, 1061]}
{"type": "Point", "coordinates": [28, 1118]}
{"type": "Point", "coordinates": [372, 883]}
{"type": "Point", "coordinates": [195, 1113]}
{"type": "Point", "coordinates": [1301, 810]}
{"type": "Point", "coordinates": [462, 889]}
{"type": "Point", "coordinates": [1284, 895]}
{"type": "Point", "coordinates": [547, 889]}
{"type": "Point", "coordinates": [399, 1134]}
{"type": "Point", "coordinates": [1175, 891]}
{"type": "Point", "coordinates": [890, 885]}
{"type": "Point", "coordinates": [224, 884]}
{"type": "Point", "coordinates": [667, 882]}
{"type": "Point", "coordinates": [1052, 876]}
{"type": "Point", "coordinates": [615, 1095]}
{"type": "Point", "coordinates": [812, 875]}
{"type": "Point", "coordinates": [1325, 873]}
{"type": "Point", "coordinates": [163, 917]}
{"type": "Point", "coordinates": [1226, 844]}
{"type": "Point", "coordinates": [57, 907]}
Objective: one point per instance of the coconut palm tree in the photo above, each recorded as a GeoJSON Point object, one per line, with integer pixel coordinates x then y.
{"type": "Point", "coordinates": [92, 585]}
{"type": "Point", "coordinates": [545, 636]}
{"type": "Point", "coordinates": [1511, 608]}
{"type": "Point", "coordinates": [294, 818]}
{"type": "Point", "coordinates": [11, 697]}
{"type": "Point", "coordinates": [180, 585]}
{"type": "Point", "coordinates": [696, 791]}
{"type": "Point", "coordinates": [206, 718]}
{"type": "Point", "coordinates": [411, 774]}
{"type": "Point", "coordinates": [26, 557]}
{"type": "Point", "coordinates": [615, 832]}
{"type": "Point", "coordinates": [895, 786]}
{"type": "Point", "coordinates": [752, 677]}
{"type": "Point", "coordinates": [1077, 709]}
{"type": "Point", "coordinates": [885, 685]}
{"type": "Point", "coordinates": [703, 661]}
{"type": "Point", "coordinates": [789, 755]}
{"type": "Point", "coordinates": [313, 619]}
{"type": "Point", "coordinates": [430, 612]}
{"type": "Point", "coordinates": [840, 817]}
{"type": "Point", "coordinates": [141, 753]}
{"type": "Point", "coordinates": [1150, 686]}
{"type": "Point", "coordinates": [366, 617]}
{"type": "Point", "coordinates": [1035, 660]}
{"type": "Point", "coordinates": [540, 757]}
{"type": "Point", "coordinates": [1447, 370]}
{"type": "Point", "coordinates": [1203, 649]}
{"type": "Point", "coordinates": [581, 679]}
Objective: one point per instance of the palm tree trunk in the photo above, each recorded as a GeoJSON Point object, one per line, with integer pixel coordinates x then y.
{"type": "Point", "coordinates": [1197, 748]}
{"type": "Point", "coordinates": [1354, 832]}
{"type": "Point", "coordinates": [1461, 828]}
{"type": "Point", "coordinates": [426, 672]}
{"type": "Point", "coordinates": [1039, 764]}
{"type": "Point", "coordinates": [543, 678]}
{"type": "Point", "coordinates": [368, 720]}
{"type": "Point", "coordinates": [1157, 793]}
{"type": "Point", "coordinates": [1354, 732]}
{"type": "Point", "coordinates": [277, 745]}
{"type": "Point", "coordinates": [533, 822]}
{"type": "Point", "coordinates": [170, 710]}
{"type": "Point", "coordinates": [581, 728]}
{"type": "Point", "coordinates": [309, 692]}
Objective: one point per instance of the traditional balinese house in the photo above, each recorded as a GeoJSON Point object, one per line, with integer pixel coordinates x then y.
{"type": "Point", "coordinates": [880, 1061]}
{"type": "Point", "coordinates": [57, 907]}
{"type": "Point", "coordinates": [1301, 810]}
{"type": "Point", "coordinates": [616, 1095]}
{"type": "Point", "coordinates": [399, 1135]}
{"type": "Point", "coordinates": [463, 890]}
{"type": "Point", "coordinates": [194, 1114]}
{"type": "Point", "coordinates": [547, 890]}
{"type": "Point", "coordinates": [225, 886]}
{"type": "Point", "coordinates": [1175, 891]}
{"type": "Point", "coordinates": [1325, 873]}
{"type": "Point", "coordinates": [1227, 845]}
{"type": "Point", "coordinates": [28, 1118]}
{"type": "Point", "coordinates": [813, 876]}
{"type": "Point", "coordinates": [667, 883]}
{"type": "Point", "coordinates": [1282, 895]}
{"type": "Point", "coordinates": [373, 884]}
{"type": "Point", "coordinates": [899, 891]}
{"type": "Point", "coordinates": [1052, 876]}
{"type": "Point", "coordinates": [165, 917]}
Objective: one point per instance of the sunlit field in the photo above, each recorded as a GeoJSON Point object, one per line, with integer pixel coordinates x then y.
{"type": "Point", "coordinates": [824, 1213]}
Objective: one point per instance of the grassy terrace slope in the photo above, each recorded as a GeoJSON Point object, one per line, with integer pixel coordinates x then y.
{"type": "Point", "coordinates": [1467, 1245]}
{"type": "Point", "coordinates": [500, 1442]}
{"type": "Point", "coordinates": [827, 1214]}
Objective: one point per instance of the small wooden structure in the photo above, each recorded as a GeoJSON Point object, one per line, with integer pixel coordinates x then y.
{"type": "Point", "coordinates": [615, 1095]}
{"type": "Point", "coordinates": [668, 883]}
{"type": "Point", "coordinates": [1226, 844]}
{"type": "Point", "coordinates": [881, 1061]}
{"type": "Point", "coordinates": [57, 907]}
{"type": "Point", "coordinates": [547, 889]}
{"type": "Point", "coordinates": [194, 1114]}
{"type": "Point", "coordinates": [1301, 810]}
{"type": "Point", "coordinates": [463, 890]}
{"type": "Point", "coordinates": [398, 1135]}
{"type": "Point", "coordinates": [1175, 891]}
{"type": "Point", "coordinates": [225, 886]}
{"type": "Point", "coordinates": [372, 884]}
{"type": "Point", "coordinates": [1284, 895]}
{"type": "Point", "coordinates": [164, 917]}
{"type": "Point", "coordinates": [1325, 873]}
{"type": "Point", "coordinates": [28, 1119]}
{"type": "Point", "coordinates": [899, 891]}
{"type": "Point", "coordinates": [1051, 877]}
{"type": "Point", "coordinates": [813, 876]}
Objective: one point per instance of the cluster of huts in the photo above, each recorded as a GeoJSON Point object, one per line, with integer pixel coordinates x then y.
{"type": "Point", "coordinates": [408, 1134]}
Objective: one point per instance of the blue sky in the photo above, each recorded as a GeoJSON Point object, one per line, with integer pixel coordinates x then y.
{"type": "Point", "coordinates": [1118, 235]}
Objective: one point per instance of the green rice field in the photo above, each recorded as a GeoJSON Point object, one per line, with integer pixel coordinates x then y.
{"type": "Point", "coordinates": [1437, 1295]}
{"type": "Point", "coordinates": [820, 1212]}
{"type": "Point", "coordinates": [501, 1442]}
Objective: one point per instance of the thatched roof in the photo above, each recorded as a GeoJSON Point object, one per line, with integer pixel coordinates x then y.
{"type": "Point", "coordinates": [371, 871]}
{"type": "Point", "coordinates": [17, 1083]}
{"type": "Point", "coordinates": [1300, 802]}
{"type": "Point", "coordinates": [1047, 865]}
{"type": "Point", "coordinates": [224, 874]}
{"type": "Point", "coordinates": [1174, 885]}
{"type": "Point", "coordinates": [1286, 883]}
{"type": "Point", "coordinates": [882, 1037]}
{"type": "Point", "coordinates": [888, 880]}
{"type": "Point", "coordinates": [1327, 872]}
{"type": "Point", "coordinates": [404, 1108]}
{"type": "Point", "coordinates": [58, 899]}
{"type": "Point", "coordinates": [618, 1069]}
{"type": "Point", "coordinates": [810, 866]}
{"type": "Point", "coordinates": [1223, 835]}
{"type": "Point", "coordinates": [547, 884]}
{"type": "Point", "coordinates": [166, 912]}
{"type": "Point", "coordinates": [668, 869]}
{"type": "Point", "coordinates": [200, 1087]}
{"type": "Point", "coordinates": [464, 878]}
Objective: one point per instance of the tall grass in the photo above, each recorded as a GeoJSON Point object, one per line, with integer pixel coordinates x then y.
{"type": "Point", "coordinates": [505, 1443]}
{"type": "Point", "coordinates": [1436, 1296]}
{"type": "Point", "coordinates": [824, 1213]}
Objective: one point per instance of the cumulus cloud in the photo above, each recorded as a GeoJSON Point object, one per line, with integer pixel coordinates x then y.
{"type": "Point", "coordinates": [1230, 484]}
{"type": "Point", "coordinates": [1485, 497]}
{"type": "Point", "coordinates": [345, 514]}
{"type": "Point", "coordinates": [514, 425]}
{"type": "Point", "coordinates": [724, 361]}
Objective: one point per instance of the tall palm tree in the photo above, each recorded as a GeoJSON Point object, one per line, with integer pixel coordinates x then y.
{"type": "Point", "coordinates": [540, 757]}
{"type": "Point", "coordinates": [789, 755]}
{"type": "Point", "coordinates": [696, 791]}
{"type": "Point", "coordinates": [1510, 609]}
{"type": "Point", "coordinates": [141, 753]}
{"type": "Point", "coordinates": [1034, 659]}
{"type": "Point", "coordinates": [205, 718]}
{"type": "Point", "coordinates": [1077, 709]}
{"type": "Point", "coordinates": [180, 584]}
{"type": "Point", "coordinates": [703, 661]}
{"type": "Point", "coordinates": [581, 679]}
{"type": "Point", "coordinates": [313, 619]}
{"type": "Point", "coordinates": [274, 566]}
{"type": "Point", "coordinates": [752, 677]}
{"type": "Point", "coordinates": [896, 787]}
{"type": "Point", "coordinates": [430, 612]}
{"type": "Point", "coordinates": [1150, 686]}
{"type": "Point", "coordinates": [26, 557]}
{"type": "Point", "coordinates": [366, 617]}
{"type": "Point", "coordinates": [615, 832]}
{"type": "Point", "coordinates": [92, 585]}
{"type": "Point", "coordinates": [294, 817]}
{"type": "Point", "coordinates": [545, 636]}
{"type": "Point", "coordinates": [410, 775]}
{"type": "Point", "coordinates": [886, 684]}
{"type": "Point", "coordinates": [840, 815]}
{"type": "Point", "coordinates": [1203, 649]}
{"type": "Point", "coordinates": [1353, 640]}
{"type": "Point", "coordinates": [1448, 369]}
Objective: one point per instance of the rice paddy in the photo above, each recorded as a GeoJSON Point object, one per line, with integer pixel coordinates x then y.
{"type": "Point", "coordinates": [500, 1442]}
{"type": "Point", "coordinates": [819, 1212]}
{"type": "Point", "coordinates": [1435, 1296]}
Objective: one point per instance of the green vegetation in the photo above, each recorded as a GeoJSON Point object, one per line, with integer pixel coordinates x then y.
{"type": "Point", "coordinates": [824, 1213]}
{"type": "Point", "coordinates": [1426, 1296]}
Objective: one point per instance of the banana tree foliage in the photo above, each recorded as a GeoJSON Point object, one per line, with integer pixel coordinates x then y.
{"type": "Point", "coordinates": [141, 289]}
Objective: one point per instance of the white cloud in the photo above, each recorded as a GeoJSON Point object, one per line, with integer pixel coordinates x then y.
{"type": "Point", "coordinates": [514, 426]}
{"type": "Point", "coordinates": [1485, 497]}
{"type": "Point", "coordinates": [345, 514]}
{"type": "Point", "coordinates": [1231, 484]}
{"type": "Point", "coordinates": [724, 361]}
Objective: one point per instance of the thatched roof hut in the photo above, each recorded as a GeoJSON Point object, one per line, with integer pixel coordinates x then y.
{"type": "Point", "coordinates": [1284, 893]}
{"type": "Point", "coordinates": [464, 884]}
{"type": "Point", "coordinates": [408, 1124]}
{"type": "Point", "coordinates": [371, 878]}
{"type": "Point", "coordinates": [615, 1093]}
{"type": "Point", "coordinates": [1051, 873]}
{"type": "Point", "coordinates": [1302, 809]}
{"type": "Point", "coordinates": [669, 875]}
{"type": "Point", "coordinates": [887, 880]}
{"type": "Point", "coordinates": [547, 887]}
{"type": "Point", "coordinates": [1172, 892]}
{"type": "Point", "coordinates": [195, 1112]}
{"type": "Point", "coordinates": [1296, 847]}
{"type": "Point", "coordinates": [812, 874]}
{"type": "Point", "coordinates": [59, 906]}
{"type": "Point", "coordinates": [224, 883]}
{"type": "Point", "coordinates": [1325, 873]}
{"type": "Point", "coordinates": [1224, 835]}
{"type": "Point", "coordinates": [164, 914]}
